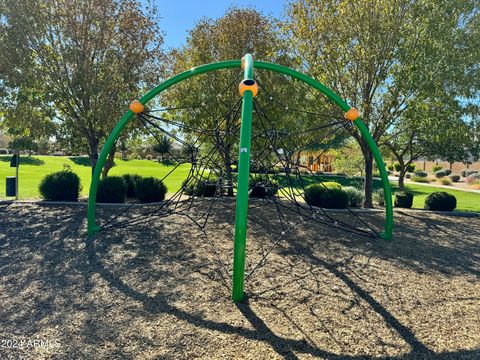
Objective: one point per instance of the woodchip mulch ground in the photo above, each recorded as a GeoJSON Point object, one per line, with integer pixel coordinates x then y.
{"type": "Point", "coordinates": [161, 290]}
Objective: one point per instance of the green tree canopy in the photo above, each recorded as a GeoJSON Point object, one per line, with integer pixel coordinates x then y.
{"type": "Point", "coordinates": [382, 56]}
{"type": "Point", "coordinates": [83, 61]}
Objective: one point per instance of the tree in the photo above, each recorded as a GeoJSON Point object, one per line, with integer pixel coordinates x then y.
{"type": "Point", "coordinates": [382, 56]}
{"type": "Point", "coordinates": [432, 128]}
{"type": "Point", "coordinates": [88, 59]}
{"type": "Point", "coordinates": [238, 32]}
{"type": "Point", "coordinates": [164, 146]}
{"type": "Point", "coordinates": [24, 143]}
{"type": "Point", "coordinates": [349, 160]}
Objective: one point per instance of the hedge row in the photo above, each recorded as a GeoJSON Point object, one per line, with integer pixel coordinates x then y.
{"type": "Point", "coordinates": [115, 189]}
{"type": "Point", "coordinates": [65, 186]}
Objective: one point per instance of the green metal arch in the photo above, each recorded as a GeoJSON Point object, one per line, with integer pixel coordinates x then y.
{"type": "Point", "coordinates": [388, 227]}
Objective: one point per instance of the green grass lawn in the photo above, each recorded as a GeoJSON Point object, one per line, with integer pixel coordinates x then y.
{"type": "Point", "coordinates": [34, 168]}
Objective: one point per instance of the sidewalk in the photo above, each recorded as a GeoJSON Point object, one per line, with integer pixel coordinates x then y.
{"type": "Point", "coordinates": [449, 187]}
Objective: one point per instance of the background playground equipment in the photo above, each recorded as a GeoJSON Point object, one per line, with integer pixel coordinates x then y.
{"type": "Point", "coordinates": [266, 135]}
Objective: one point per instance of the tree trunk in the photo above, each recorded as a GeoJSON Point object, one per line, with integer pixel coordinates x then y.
{"type": "Point", "coordinates": [402, 172]}
{"type": "Point", "coordinates": [110, 162]}
{"type": "Point", "coordinates": [93, 153]}
{"type": "Point", "coordinates": [367, 154]}
{"type": "Point", "coordinates": [401, 178]}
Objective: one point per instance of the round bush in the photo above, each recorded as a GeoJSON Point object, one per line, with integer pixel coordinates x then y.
{"type": "Point", "coordinates": [470, 179]}
{"type": "Point", "coordinates": [447, 171]}
{"type": "Point", "coordinates": [313, 192]}
{"type": "Point", "coordinates": [440, 201]}
{"type": "Point", "coordinates": [262, 186]}
{"type": "Point", "coordinates": [60, 186]}
{"type": "Point", "coordinates": [112, 189]}
{"type": "Point", "coordinates": [131, 180]}
{"type": "Point", "coordinates": [411, 167]}
{"type": "Point", "coordinates": [3, 151]}
{"type": "Point", "coordinates": [440, 174]}
{"type": "Point", "coordinates": [420, 179]}
{"type": "Point", "coordinates": [334, 198]}
{"type": "Point", "coordinates": [454, 177]}
{"type": "Point", "coordinates": [445, 181]}
{"type": "Point", "coordinates": [403, 200]}
{"type": "Point", "coordinates": [379, 197]}
{"type": "Point", "coordinates": [201, 187]}
{"type": "Point", "coordinates": [436, 168]}
{"type": "Point", "coordinates": [421, 174]}
{"type": "Point", "coordinates": [355, 196]}
{"type": "Point", "coordinates": [390, 167]}
{"type": "Point", "coordinates": [470, 172]}
{"type": "Point", "coordinates": [397, 166]}
{"type": "Point", "coordinates": [150, 189]}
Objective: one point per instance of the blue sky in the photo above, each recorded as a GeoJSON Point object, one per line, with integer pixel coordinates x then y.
{"type": "Point", "coordinates": [178, 17]}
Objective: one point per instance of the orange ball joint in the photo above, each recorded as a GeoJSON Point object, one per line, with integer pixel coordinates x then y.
{"type": "Point", "coordinates": [352, 114]}
{"type": "Point", "coordinates": [248, 84]}
{"type": "Point", "coordinates": [136, 106]}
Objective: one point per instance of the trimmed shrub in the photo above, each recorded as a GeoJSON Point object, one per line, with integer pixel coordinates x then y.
{"type": "Point", "coordinates": [330, 185]}
{"type": "Point", "coordinates": [261, 186]}
{"type": "Point", "coordinates": [447, 171]}
{"type": "Point", "coordinates": [440, 201]}
{"type": "Point", "coordinates": [3, 151]}
{"type": "Point", "coordinates": [313, 192]}
{"type": "Point", "coordinates": [420, 179]}
{"type": "Point", "coordinates": [60, 186]}
{"type": "Point", "coordinates": [150, 189]}
{"type": "Point", "coordinates": [131, 180]}
{"type": "Point", "coordinates": [411, 167]}
{"type": "Point", "coordinates": [440, 174]}
{"type": "Point", "coordinates": [378, 197]}
{"type": "Point", "coordinates": [202, 187]}
{"type": "Point", "coordinates": [421, 174]}
{"type": "Point", "coordinates": [112, 189]}
{"type": "Point", "coordinates": [206, 188]}
{"type": "Point", "coordinates": [397, 166]}
{"type": "Point", "coordinates": [355, 196]}
{"type": "Point", "coordinates": [445, 181]}
{"type": "Point", "coordinates": [390, 167]}
{"type": "Point", "coordinates": [435, 168]}
{"type": "Point", "coordinates": [403, 200]}
{"type": "Point", "coordinates": [334, 198]}
{"type": "Point", "coordinates": [470, 172]}
{"type": "Point", "coordinates": [470, 179]}
{"type": "Point", "coordinates": [454, 177]}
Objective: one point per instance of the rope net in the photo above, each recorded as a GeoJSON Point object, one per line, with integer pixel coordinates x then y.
{"type": "Point", "coordinates": [282, 131]}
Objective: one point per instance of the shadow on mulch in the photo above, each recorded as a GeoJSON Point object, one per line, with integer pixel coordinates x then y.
{"type": "Point", "coordinates": [52, 241]}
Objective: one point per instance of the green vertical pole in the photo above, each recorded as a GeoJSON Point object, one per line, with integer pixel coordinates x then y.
{"type": "Point", "coordinates": [242, 189]}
